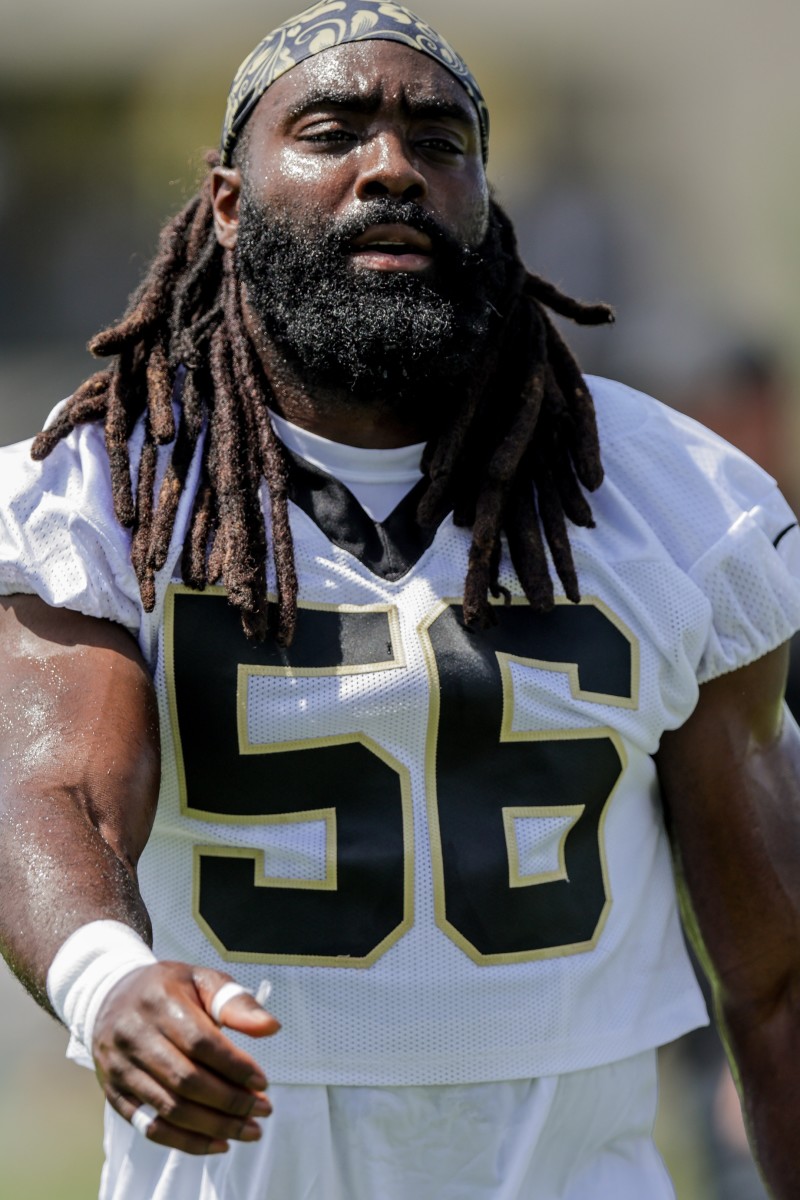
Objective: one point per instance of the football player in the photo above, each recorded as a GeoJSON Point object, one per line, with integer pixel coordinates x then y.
{"type": "Point", "coordinates": [321, 671]}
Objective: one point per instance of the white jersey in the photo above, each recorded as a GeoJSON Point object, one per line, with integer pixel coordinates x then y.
{"type": "Point", "coordinates": [444, 848]}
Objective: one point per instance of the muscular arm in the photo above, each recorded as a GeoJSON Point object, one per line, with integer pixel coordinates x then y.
{"type": "Point", "coordinates": [730, 779]}
{"type": "Point", "coordinates": [79, 778]}
{"type": "Point", "coordinates": [79, 775]}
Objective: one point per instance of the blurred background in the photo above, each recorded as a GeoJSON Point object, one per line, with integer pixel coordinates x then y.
{"type": "Point", "coordinates": [648, 153]}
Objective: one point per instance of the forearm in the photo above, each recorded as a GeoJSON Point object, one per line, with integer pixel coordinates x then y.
{"type": "Point", "coordinates": [79, 782]}
{"type": "Point", "coordinates": [57, 872]}
{"type": "Point", "coordinates": [743, 920]}
{"type": "Point", "coordinates": [756, 1003]}
{"type": "Point", "coordinates": [79, 779]}
{"type": "Point", "coordinates": [150, 1027]}
{"type": "Point", "coordinates": [765, 1047]}
{"type": "Point", "coordinates": [730, 780]}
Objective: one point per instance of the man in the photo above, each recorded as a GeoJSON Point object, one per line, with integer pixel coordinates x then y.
{"type": "Point", "coordinates": [404, 777]}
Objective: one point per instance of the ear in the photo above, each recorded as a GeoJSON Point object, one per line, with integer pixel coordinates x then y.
{"type": "Point", "coordinates": [226, 187]}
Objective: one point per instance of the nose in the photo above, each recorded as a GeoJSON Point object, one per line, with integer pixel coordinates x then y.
{"type": "Point", "coordinates": [388, 170]}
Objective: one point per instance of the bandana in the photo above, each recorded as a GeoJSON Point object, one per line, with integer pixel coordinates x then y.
{"type": "Point", "coordinates": [334, 23]}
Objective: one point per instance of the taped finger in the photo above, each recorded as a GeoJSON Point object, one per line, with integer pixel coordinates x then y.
{"type": "Point", "coordinates": [142, 1118]}
{"type": "Point", "coordinates": [150, 1124]}
{"type": "Point", "coordinates": [226, 993]}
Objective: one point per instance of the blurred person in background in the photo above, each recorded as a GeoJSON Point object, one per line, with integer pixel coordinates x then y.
{"type": "Point", "coordinates": [319, 662]}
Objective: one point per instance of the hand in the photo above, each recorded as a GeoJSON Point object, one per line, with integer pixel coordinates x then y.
{"type": "Point", "coordinates": [155, 1043]}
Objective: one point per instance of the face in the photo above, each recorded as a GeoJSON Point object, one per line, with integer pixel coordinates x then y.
{"type": "Point", "coordinates": [360, 122]}
{"type": "Point", "coordinates": [359, 220]}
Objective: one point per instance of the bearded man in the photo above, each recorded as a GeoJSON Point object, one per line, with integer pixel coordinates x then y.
{"type": "Point", "coordinates": [321, 673]}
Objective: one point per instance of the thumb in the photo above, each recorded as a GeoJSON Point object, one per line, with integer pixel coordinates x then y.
{"type": "Point", "coordinates": [230, 1004]}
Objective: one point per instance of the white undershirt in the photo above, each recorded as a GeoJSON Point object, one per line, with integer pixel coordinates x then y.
{"type": "Point", "coordinates": [379, 479]}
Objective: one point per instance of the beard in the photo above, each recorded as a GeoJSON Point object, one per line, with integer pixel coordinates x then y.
{"type": "Point", "coordinates": [395, 339]}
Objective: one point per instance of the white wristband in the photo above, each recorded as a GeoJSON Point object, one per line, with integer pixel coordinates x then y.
{"type": "Point", "coordinates": [91, 962]}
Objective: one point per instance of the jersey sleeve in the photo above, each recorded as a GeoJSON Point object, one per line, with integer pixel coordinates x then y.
{"type": "Point", "coordinates": [59, 537]}
{"type": "Point", "coordinates": [751, 576]}
{"type": "Point", "coordinates": [719, 517]}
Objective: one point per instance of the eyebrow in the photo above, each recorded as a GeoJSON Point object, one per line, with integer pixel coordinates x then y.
{"type": "Point", "coordinates": [420, 107]}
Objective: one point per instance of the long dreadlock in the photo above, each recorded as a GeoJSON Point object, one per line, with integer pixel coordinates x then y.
{"type": "Point", "coordinates": [514, 460]}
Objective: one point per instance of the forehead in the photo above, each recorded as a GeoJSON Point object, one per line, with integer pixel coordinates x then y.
{"type": "Point", "coordinates": [383, 72]}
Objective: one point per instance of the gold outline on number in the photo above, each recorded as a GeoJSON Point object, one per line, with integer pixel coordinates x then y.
{"type": "Point", "coordinates": [515, 877]}
{"type": "Point", "coordinates": [599, 731]}
{"type": "Point", "coordinates": [389, 664]}
{"type": "Point", "coordinates": [312, 960]}
{"type": "Point", "coordinates": [215, 590]}
{"type": "Point", "coordinates": [330, 883]}
{"type": "Point", "coordinates": [260, 878]}
{"type": "Point", "coordinates": [570, 669]}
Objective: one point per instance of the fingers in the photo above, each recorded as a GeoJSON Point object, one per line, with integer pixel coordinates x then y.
{"type": "Point", "coordinates": [143, 1118]}
{"type": "Point", "coordinates": [196, 1036]}
{"type": "Point", "coordinates": [176, 1112]}
{"type": "Point", "coordinates": [221, 998]}
{"type": "Point", "coordinates": [172, 1000]}
{"type": "Point", "coordinates": [161, 1132]}
{"type": "Point", "coordinates": [156, 1044]}
{"type": "Point", "coordinates": [229, 1004]}
{"type": "Point", "coordinates": [179, 1078]}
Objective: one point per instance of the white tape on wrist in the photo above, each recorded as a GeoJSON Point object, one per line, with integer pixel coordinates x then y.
{"type": "Point", "coordinates": [93, 960]}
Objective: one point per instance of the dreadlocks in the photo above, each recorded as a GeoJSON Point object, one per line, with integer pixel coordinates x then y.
{"type": "Point", "coordinates": [513, 461]}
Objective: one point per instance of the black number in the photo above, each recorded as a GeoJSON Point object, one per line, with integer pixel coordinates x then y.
{"type": "Point", "coordinates": [364, 903]}
{"type": "Point", "coordinates": [484, 777]}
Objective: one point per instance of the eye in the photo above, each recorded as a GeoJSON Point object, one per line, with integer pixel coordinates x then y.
{"type": "Point", "coordinates": [441, 139]}
{"type": "Point", "coordinates": [442, 145]}
{"type": "Point", "coordinates": [322, 137]}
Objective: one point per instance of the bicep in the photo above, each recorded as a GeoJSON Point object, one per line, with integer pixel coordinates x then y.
{"type": "Point", "coordinates": [729, 779]}
{"type": "Point", "coordinates": [78, 721]}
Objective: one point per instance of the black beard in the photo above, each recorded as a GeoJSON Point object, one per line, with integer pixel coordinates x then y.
{"type": "Point", "coordinates": [395, 339]}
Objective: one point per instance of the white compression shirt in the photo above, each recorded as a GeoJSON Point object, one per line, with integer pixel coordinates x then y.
{"type": "Point", "coordinates": [379, 479]}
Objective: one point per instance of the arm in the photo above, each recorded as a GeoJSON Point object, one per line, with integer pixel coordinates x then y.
{"type": "Point", "coordinates": [79, 777]}
{"type": "Point", "coordinates": [730, 778]}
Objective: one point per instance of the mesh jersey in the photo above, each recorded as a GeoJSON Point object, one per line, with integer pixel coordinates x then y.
{"type": "Point", "coordinates": [444, 848]}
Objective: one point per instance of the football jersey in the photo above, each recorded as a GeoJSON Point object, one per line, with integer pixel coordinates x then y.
{"type": "Point", "coordinates": [445, 848]}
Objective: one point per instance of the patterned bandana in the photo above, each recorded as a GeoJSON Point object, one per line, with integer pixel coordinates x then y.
{"type": "Point", "coordinates": [333, 23]}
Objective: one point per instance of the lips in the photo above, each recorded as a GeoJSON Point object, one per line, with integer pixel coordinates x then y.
{"type": "Point", "coordinates": [395, 238]}
{"type": "Point", "coordinates": [393, 247]}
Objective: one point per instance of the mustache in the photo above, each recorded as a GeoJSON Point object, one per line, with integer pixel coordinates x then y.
{"type": "Point", "coordinates": [383, 211]}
